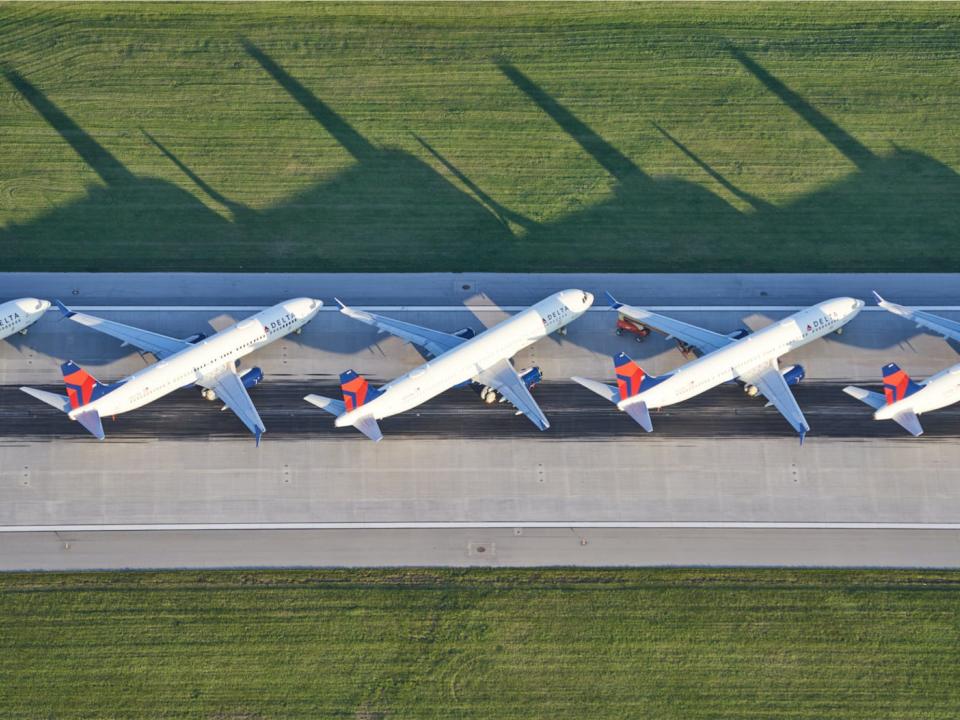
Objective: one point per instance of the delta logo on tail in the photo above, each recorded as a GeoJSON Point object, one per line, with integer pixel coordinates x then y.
{"type": "Point", "coordinates": [629, 376]}
{"type": "Point", "coordinates": [356, 390]}
{"type": "Point", "coordinates": [897, 384]}
{"type": "Point", "coordinates": [82, 387]}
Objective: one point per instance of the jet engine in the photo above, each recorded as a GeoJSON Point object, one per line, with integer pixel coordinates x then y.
{"type": "Point", "coordinates": [195, 338]}
{"type": "Point", "coordinates": [738, 334]}
{"type": "Point", "coordinates": [793, 374]}
{"type": "Point", "coordinates": [249, 378]}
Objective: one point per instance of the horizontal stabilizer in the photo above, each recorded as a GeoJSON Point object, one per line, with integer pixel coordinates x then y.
{"type": "Point", "coordinates": [60, 402]}
{"type": "Point", "coordinates": [91, 422]}
{"type": "Point", "coordinates": [607, 392]}
{"type": "Point", "coordinates": [334, 407]}
{"type": "Point", "coordinates": [638, 411]}
{"type": "Point", "coordinates": [873, 399]}
{"type": "Point", "coordinates": [368, 426]}
{"type": "Point", "coordinates": [909, 421]}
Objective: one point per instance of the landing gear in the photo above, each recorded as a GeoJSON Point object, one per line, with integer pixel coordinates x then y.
{"type": "Point", "coordinates": [839, 331]}
{"type": "Point", "coordinates": [24, 331]}
{"type": "Point", "coordinates": [298, 331]}
{"type": "Point", "coordinates": [562, 331]}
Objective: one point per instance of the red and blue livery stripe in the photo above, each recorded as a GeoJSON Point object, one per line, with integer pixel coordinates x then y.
{"type": "Point", "coordinates": [356, 390]}
{"type": "Point", "coordinates": [629, 376]}
{"type": "Point", "coordinates": [82, 387]}
{"type": "Point", "coordinates": [897, 384]}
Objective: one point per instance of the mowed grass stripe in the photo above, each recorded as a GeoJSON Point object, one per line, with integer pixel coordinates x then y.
{"type": "Point", "coordinates": [492, 644]}
{"type": "Point", "coordinates": [466, 136]}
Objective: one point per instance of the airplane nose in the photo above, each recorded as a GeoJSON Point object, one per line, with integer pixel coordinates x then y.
{"type": "Point", "coordinates": [308, 307]}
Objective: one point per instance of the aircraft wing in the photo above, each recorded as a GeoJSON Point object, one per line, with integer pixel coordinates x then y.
{"type": "Point", "coordinates": [769, 381]}
{"type": "Point", "coordinates": [704, 340]}
{"type": "Point", "coordinates": [160, 345]}
{"type": "Point", "coordinates": [433, 341]}
{"type": "Point", "coordinates": [230, 390]}
{"type": "Point", "coordinates": [505, 380]}
{"type": "Point", "coordinates": [947, 328]}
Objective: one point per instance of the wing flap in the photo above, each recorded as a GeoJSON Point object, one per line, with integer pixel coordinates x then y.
{"type": "Point", "coordinates": [229, 388]}
{"type": "Point", "coordinates": [949, 329]}
{"type": "Point", "coordinates": [505, 380]}
{"type": "Point", "coordinates": [704, 340]}
{"type": "Point", "coordinates": [770, 382]}
{"type": "Point", "coordinates": [433, 341]}
{"type": "Point", "coordinates": [160, 345]}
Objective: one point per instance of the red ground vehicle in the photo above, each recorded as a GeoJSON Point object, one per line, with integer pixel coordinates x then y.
{"type": "Point", "coordinates": [625, 325]}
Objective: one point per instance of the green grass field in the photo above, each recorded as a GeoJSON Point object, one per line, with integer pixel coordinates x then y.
{"type": "Point", "coordinates": [602, 137]}
{"type": "Point", "coordinates": [482, 644]}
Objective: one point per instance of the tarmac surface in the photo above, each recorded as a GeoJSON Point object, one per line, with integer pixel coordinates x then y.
{"type": "Point", "coordinates": [722, 480]}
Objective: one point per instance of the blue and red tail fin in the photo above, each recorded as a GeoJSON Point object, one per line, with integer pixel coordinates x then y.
{"type": "Point", "coordinates": [356, 390]}
{"type": "Point", "coordinates": [897, 384]}
{"type": "Point", "coordinates": [631, 378]}
{"type": "Point", "coordinates": [82, 387]}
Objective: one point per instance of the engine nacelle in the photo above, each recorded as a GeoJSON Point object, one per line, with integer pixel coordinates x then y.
{"type": "Point", "coordinates": [466, 333]}
{"type": "Point", "coordinates": [195, 338]}
{"type": "Point", "coordinates": [738, 334]}
{"type": "Point", "coordinates": [249, 378]}
{"type": "Point", "coordinates": [751, 390]}
{"type": "Point", "coordinates": [531, 377]}
{"type": "Point", "coordinates": [794, 374]}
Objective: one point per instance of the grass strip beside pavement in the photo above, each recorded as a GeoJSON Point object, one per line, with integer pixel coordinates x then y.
{"type": "Point", "coordinates": [481, 644]}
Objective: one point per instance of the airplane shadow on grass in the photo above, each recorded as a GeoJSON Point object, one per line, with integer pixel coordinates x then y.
{"type": "Point", "coordinates": [396, 211]}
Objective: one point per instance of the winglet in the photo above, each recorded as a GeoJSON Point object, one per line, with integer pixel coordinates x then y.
{"type": "Point", "coordinates": [803, 434]}
{"type": "Point", "coordinates": [67, 312]}
{"type": "Point", "coordinates": [341, 303]}
{"type": "Point", "coordinates": [258, 432]}
{"type": "Point", "coordinates": [880, 300]}
{"type": "Point", "coordinates": [613, 302]}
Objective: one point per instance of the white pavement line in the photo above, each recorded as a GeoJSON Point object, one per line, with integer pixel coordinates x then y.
{"type": "Point", "coordinates": [455, 525]}
{"type": "Point", "coordinates": [468, 308]}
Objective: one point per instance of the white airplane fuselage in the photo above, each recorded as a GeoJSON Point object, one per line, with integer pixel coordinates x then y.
{"type": "Point", "coordinates": [17, 315]}
{"type": "Point", "coordinates": [472, 357]}
{"type": "Point", "coordinates": [751, 353]}
{"type": "Point", "coordinates": [205, 359]}
{"type": "Point", "coordinates": [937, 391]}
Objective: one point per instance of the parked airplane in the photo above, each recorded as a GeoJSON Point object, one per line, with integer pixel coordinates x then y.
{"type": "Point", "coordinates": [903, 400]}
{"type": "Point", "coordinates": [17, 315]}
{"type": "Point", "coordinates": [207, 362]}
{"type": "Point", "coordinates": [752, 359]}
{"type": "Point", "coordinates": [461, 359]}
